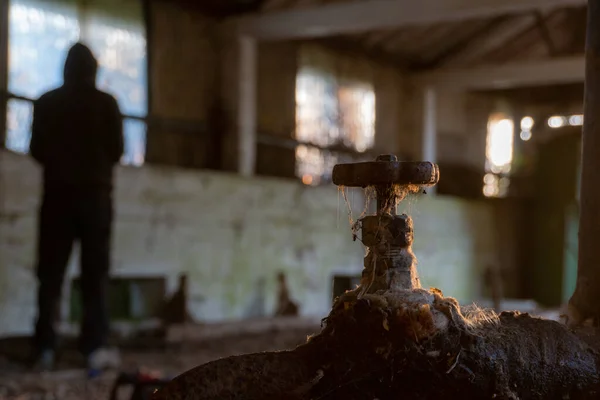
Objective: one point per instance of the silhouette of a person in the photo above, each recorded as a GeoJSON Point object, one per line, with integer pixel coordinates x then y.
{"type": "Point", "coordinates": [77, 138]}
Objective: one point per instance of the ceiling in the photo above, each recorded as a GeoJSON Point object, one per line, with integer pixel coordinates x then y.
{"type": "Point", "coordinates": [497, 40]}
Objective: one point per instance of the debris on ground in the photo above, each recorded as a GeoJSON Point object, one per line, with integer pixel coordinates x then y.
{"type": "Point", "coordinates": [70, 383]}
{"type": "Point", "coordinates": [417, 343]}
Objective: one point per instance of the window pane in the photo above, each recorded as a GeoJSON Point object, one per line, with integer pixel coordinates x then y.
{"type": "Point", "coordinates": [357, 109]}
{"type": "Point", "coordinates": [499, 155]}
{"type": "Point", "coordinates": [328, 114]}
{"type": "Point", "coordinates": [18, 125]}
{"type": "Point", "coordinates": [134, 132]}
{"type": "Point", "coordinates": [40, 33]}
{"type": "Point", "coordinates": [313, 165]}
{"type": "Point", "coordinates": [316, 108]}
{"type": "Point", "coordinates": [120, 47]}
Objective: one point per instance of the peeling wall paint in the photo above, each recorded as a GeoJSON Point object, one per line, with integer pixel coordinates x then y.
{"type": "Point", "coordinates": [231, 235]}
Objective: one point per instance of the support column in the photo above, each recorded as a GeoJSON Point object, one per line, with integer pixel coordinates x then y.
{"type": "Point", "coordinates": [83, 15]}
{"type": "Point", "coordinates": [3, 69]}
{"type": "Point", "coordinates": [246, 117]}
{"type": "Point", "coordinates": [429, 138]}
{"type": "Point", "coordinates": [585, 303]}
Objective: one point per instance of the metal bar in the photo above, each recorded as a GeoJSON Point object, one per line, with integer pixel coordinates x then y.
{"type": "Point", "coordinates": [291, 144]}
{"type": "Point", "coordinates": [177, 125]}
{"type": "Point", "coordinates": [147, 12]}
{"type": "Point", "coordinates": [160, 123]}
{"type": "Point", "coordinates": [11, 96]}
{"type": "Point", "coordinates": [3, 67]}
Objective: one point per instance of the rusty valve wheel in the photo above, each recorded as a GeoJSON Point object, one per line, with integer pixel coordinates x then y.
{"type": "Point", "coordinates": [386, 170]}
{"type": "Point", "coordinates": [384, 173]}
{"type": "Point", "coordinates": [390, 262]}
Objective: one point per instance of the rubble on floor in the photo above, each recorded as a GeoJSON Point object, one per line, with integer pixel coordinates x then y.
{"type": "Point", "coordinates": [69, 381]}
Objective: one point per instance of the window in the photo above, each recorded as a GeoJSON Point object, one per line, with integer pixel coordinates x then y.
{"type": "Point", "coordinates": [526, 126]}
{"type": "Point", "coordinates": [18, 125]}
{"type": "Point", "coordinates": [343, 283]}
{"type": "Point", "coordinates": [40, 34]}
{"type": "Point", "coordinates": [129, 298]}
{"type": "Point", "coordinates": [499, 154]}
{"type": "Point", "coordinates": [330, 114]}
{"type": "Point", "coordinates": [558, 121]}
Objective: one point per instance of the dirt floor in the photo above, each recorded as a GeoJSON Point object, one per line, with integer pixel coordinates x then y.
{"type": "Point", "coordinates": [69, 382]}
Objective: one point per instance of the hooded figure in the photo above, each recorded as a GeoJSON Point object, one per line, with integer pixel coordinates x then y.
{"type": "Point", "coordinates": [77, 139]}
{"type": "Point", "coordinates": [77, 129]}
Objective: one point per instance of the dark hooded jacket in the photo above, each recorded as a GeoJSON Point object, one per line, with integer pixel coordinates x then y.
{"type": "Point", "coordinates": [77, 130]}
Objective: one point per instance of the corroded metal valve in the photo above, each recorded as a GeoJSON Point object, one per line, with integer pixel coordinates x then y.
{"type": "Point", "coordinates": [390, 262]}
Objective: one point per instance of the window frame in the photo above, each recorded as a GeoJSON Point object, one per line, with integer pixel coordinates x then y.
{"type": "Point", "coordinates": [6, 95]}
{"type": "Point", "coordinates": [4, 7]}
{"type": "Point", "coordinates": [336, 148]}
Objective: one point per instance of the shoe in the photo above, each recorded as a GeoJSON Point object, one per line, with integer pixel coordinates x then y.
{"type": "Point", "coordinates": [45, 361]}
{"type": "Point", "coordinates": [103, 359]}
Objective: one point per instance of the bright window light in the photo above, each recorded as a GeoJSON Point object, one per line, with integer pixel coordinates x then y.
{"type": "Point", "coordinates": [527, 123]}
{"type": "Point", "coordinates": [525, 135]}
{"type": "Point", "coordinates": [576, 120]}
{"type": "Point", "coordinates": [500, 143]}
{"type": "Point", "coordinates": [490, 190]}
{"type": "Point", "coordinates": [557, 121]}
{"type": "Point", "coordinates": [490, 179]}
{"type": "Point", "coordinates": [499, 153]}
{"type": "Point", "coordinates": [330, 112]}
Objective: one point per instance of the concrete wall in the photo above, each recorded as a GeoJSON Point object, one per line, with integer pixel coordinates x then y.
{"type": "Point", "coordinates": [229, 233]}
{"type": "Point", "coordinates": [184, 81]}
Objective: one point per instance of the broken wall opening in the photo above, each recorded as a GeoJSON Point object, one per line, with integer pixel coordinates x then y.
{"type": "Point", "coordinates": [343, 283]}
{"type": "Point", "coordinates": [129, 299]}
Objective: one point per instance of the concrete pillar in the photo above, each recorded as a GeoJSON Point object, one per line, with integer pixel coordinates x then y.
{"type": "Point", "coordinates": [584, 302]}
{"type": "Point", "coordinates": [429, 144]}
{"type": "Point", "coordinates": [84, 23]}
{"type": "Point", "coordinates": [247, 109]}
{"type": "Point", "coordinates": [3, 68]}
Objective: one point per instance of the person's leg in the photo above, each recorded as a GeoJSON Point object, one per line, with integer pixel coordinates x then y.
{"type": "Point", "coordinates": [95, 236]}
{"type": "Point", "coordinates": [55, 241]}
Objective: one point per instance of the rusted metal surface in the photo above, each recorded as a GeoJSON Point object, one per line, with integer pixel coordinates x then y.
{"type": "Point", "coordinates": [385, 174]}
{"type": "Point", "coordinates": [390, 263]}
{"type": "Point", "coordinates": [386, 170]}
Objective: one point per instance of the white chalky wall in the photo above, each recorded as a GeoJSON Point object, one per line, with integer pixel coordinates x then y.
{"type": "Point", "coordinates": [227, 233]}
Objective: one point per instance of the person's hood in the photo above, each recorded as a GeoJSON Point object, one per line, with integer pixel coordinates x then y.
{"type": "Point", "coordinates": [80, 66]}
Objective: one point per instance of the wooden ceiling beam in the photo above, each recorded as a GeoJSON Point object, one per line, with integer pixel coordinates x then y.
{"type": "Point", "coordinates": [538, 73]}
{"type": "Point", "coordinates": [368, 15]}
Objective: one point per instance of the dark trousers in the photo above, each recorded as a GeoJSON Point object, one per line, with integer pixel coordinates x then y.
{"type": "Point", "coordinates": [67, 216]}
